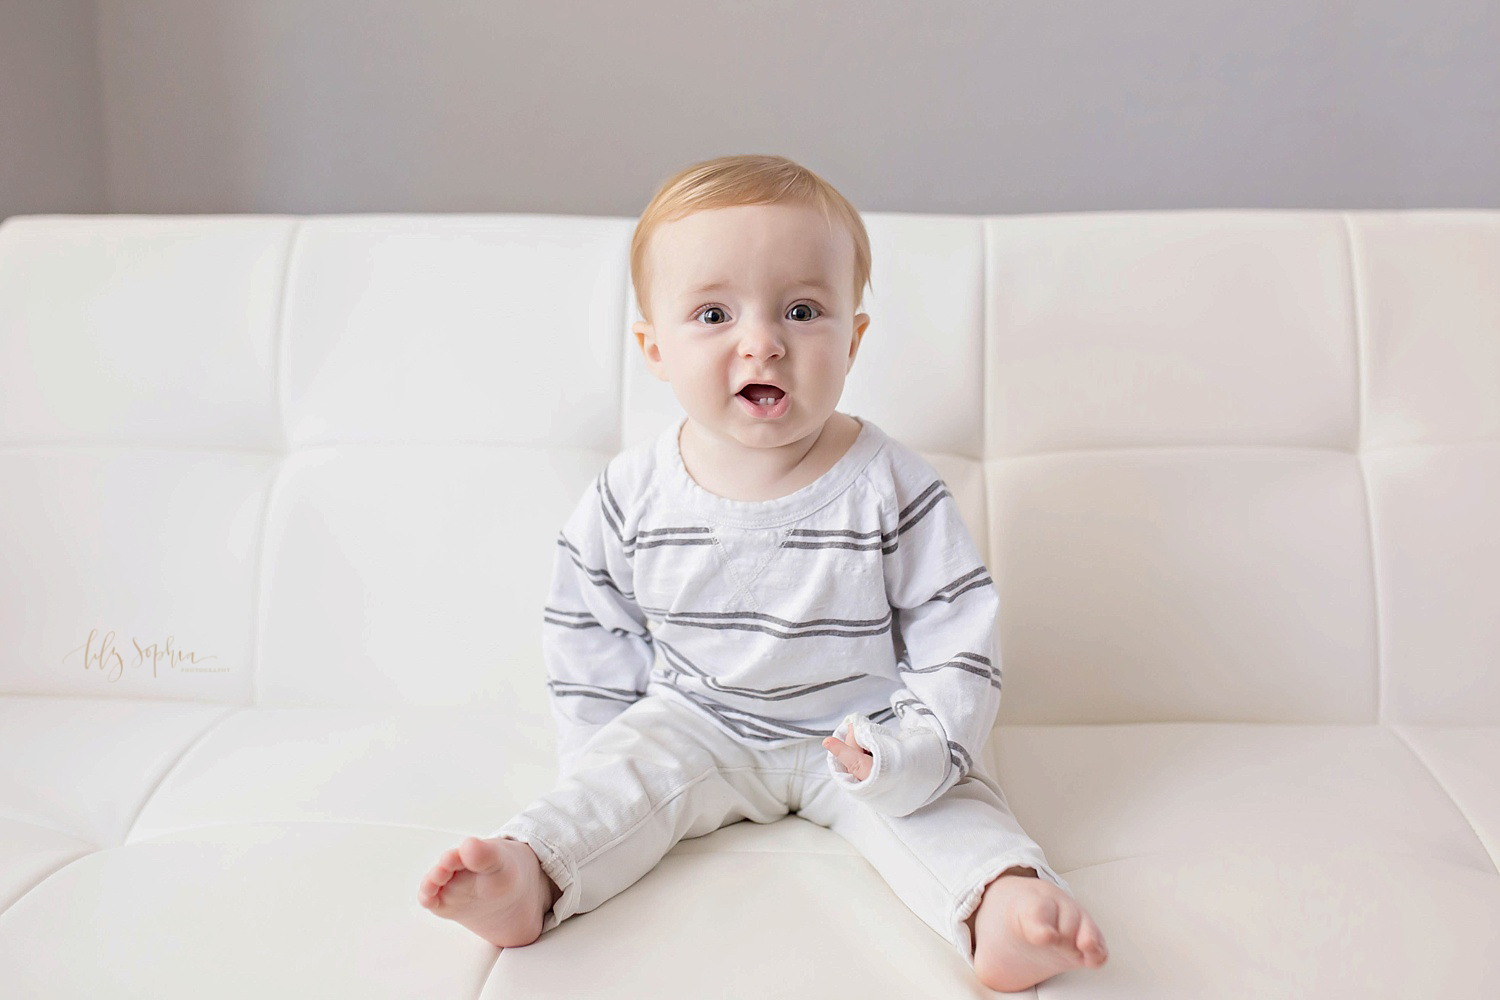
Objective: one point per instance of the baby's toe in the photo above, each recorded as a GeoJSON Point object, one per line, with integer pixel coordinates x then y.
{"type": "Point", "coordinates": [1040, 920]}
{"type": "Point", "coordinates": [477, 855]}
{"type": "Point", "coordinates": [430, 889]}
{"type": "Point", "coordinates": [1091, 942]}
{"type": "Point", "coordinates": [1069, 919]}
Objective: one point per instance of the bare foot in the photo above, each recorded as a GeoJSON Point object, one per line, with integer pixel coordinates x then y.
{"type": "Point", "coordinates": [1027, 930]}
{"type": "Point", "coordinates": [493, 886]}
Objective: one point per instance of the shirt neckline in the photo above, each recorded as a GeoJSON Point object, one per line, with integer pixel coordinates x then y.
{"type": "Point", "coordinates": [781, 510]}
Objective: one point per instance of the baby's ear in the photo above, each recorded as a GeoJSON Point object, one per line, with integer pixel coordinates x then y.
{"type": "Point", "coordinates": [645, 338]}
{"type": "Point", "coordinates": [860, 322]}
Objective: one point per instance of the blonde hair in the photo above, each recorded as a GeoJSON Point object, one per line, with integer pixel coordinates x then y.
{"type": "Point", "coordinates": [743, 179]}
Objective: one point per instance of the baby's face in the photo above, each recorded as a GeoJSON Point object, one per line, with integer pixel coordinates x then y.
{"type": "Point", "coordinates": [753, 294]}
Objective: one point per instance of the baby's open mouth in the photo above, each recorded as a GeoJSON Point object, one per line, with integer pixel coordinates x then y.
{"type": "Point", "coordinates": [764, 394]}
{"type": "Point", "coordinates": [765, 402]}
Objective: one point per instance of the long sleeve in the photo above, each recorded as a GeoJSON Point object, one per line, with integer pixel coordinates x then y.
{"type": "Point", "coordinates": [595, 641]}
{"type": "Point", "coordinates": [944, 606]}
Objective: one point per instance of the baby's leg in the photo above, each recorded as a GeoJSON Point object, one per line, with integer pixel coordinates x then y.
{"type": "Point", "coordinates": [656, 774]}
{"type": "Point", "coordinates": [967, 868]}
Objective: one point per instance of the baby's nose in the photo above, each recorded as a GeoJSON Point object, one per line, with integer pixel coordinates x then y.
{"type": "Point", "coordinates": [762, 343]}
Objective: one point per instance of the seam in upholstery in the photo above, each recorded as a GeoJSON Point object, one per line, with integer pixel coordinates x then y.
{"type": "Point", "coordinates": [1361, 380]}
{"type": "Point", "coordinates": [294, 821]}
{"type": "Point", "coordinates": [1274, 854]}
{"type": "Point", "coordinates": [278, 361]}
{"type": "Point", "coordinates": [1461, 443]}
{"type": "Point", "coordinates": [46, 878]}
{"type": "Point", "coordinates": [258, 578]}
{"type": "Point", "coordinates": [207, 730]}
{"type": "Point", "coordinates": [1494, 862]}
{"type": "Point", "coordinates": [446, 831]}
{"type": "Point", "coordinates": [1214, 446]}
{"type": "Point", "coordinates": [22, 818]}
{"type": "Point", "coordinates": [284, 433]}
{"type": "Point", "coordinates": [102, 443]}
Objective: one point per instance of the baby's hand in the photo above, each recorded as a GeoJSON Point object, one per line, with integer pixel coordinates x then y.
{"type": "Point", "coordinates": [853, 756]}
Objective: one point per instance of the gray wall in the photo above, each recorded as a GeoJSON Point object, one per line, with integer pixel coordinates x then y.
{"type": "Point", "coordinates": [51, 133]}
{"type": "Point", "coordinates": [583, 107]}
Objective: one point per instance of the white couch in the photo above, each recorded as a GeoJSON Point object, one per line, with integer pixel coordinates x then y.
{"type": "Point", "coordinates": [278, 501]}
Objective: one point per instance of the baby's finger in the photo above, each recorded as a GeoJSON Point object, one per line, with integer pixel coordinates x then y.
{"type": "Point", "coordinates": [841, 752]}
{"type": "Point", "coordinates": [859, 762]}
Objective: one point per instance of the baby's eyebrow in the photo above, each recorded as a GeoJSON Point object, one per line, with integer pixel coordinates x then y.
{"type": "Point", "coordinates": [802, 283]}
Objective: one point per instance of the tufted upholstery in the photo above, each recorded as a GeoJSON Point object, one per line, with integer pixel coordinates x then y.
{"type": "Point", "coordinates": [278, 499]}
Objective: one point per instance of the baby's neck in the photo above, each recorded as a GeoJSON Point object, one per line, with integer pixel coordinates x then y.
{"type": "Point", "coordinates": [760, 474]}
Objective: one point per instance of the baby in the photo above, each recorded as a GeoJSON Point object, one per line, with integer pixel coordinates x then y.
{"type": "Point", "coordinates": [772, 607]}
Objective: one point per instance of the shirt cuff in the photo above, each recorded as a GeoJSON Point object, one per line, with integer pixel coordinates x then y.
{"type": "Point", "coordinates": [909, 766]}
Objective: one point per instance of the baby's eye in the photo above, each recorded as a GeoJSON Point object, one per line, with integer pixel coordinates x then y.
{"type": "Point", "coordinates": [706, 310]}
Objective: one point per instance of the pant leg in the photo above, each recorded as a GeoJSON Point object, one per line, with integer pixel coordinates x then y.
{"type": "Point", "coordinates": [938, 859]}
{"type": "Point", "coordinates": [657, 773]}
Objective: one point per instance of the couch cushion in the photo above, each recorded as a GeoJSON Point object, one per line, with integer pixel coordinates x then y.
{"type": "Point", "coordinates": [503, 329]}
{"type": "Point", "coordinates": [92, 764]}
{"type": "Point", "coordinates": [1209, 583]}
{"type": "Point", "coordinates": [431, 596]}
{"type": "Point", "coordinates": [1340, 922]}
{"type": "Point", "coordinates": [154, 330]}
{"type": "Point", "coordinates": [1223, 859]}
{"type": "Point", "coordinates": [1128, 330]}
{"type": "Point", "coordinates": [130, 572]}
{"type": "Point", "coordinates": [452, 769]}
{"type": "Point", "coordinates": [1234, 473]}
{"type": "Point", "coordinates": [1437, 565]}
{"type": "Point", "coordinates": [1092, 795]}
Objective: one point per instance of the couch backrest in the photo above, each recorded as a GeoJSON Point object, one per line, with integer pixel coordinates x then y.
{"type": "Point", "coordinates": [1226, 465]}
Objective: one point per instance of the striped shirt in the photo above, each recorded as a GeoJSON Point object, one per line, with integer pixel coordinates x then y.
{"type": "Point", "coordinates": [857, 601]}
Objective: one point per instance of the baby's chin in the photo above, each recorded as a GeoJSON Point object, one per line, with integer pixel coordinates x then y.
{"type": "Point", "coordinates": [796, 425]}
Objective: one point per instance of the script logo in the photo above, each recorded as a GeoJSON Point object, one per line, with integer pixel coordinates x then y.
{"type": "Point", "coordinates": [107, 657]}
